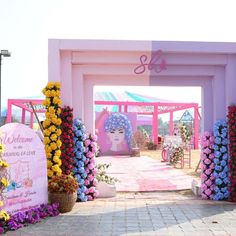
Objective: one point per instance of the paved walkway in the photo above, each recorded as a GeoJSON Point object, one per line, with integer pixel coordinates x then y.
{"type": "Point", "coordinates": [146, 214]}
{"type": "Point", "coordinates": [143, 174]}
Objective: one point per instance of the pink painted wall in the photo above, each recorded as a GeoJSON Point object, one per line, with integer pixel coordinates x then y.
{"type": "Point", "coordinates": [81, 64]}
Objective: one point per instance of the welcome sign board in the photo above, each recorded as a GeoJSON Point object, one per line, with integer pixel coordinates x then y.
{"type": "Point", "coordinates": [24, 152]}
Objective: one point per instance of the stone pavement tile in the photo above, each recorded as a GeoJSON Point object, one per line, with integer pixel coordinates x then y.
{"type": "Point", "coordinates": [219, 233]}
{"type": "Point", "coordinates": [131, 234]}
{"type": "Point", "coordinates": [13, 233]}
{"type": "Point", "coordinates": [133, 225]}
{"type": "Point", "coordinates": [159, 226]}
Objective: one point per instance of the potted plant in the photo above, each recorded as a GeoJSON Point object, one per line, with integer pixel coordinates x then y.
{"type": "Point", "coordinates": [63, 190]}
{"type": "Point", "coordinates": [106, 184]}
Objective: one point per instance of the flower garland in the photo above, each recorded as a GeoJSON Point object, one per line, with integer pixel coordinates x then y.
{"type": "Point", "coordinates": [67, 154]}
{"type": "Point", "coordinates": [221, 171]}
{"type": "Point", "coordinates": [185, 133]}
{"type": "Point", "coordinates": [90, 181]}
{"type": "Point", "coordinates": [232, 150]}
{"type": "Point", "coordinates": [79, 161]}
{"type": "Point", "coordinates": [176, 153]}
{"type": "Point", "coordinates": [4, 216]}
{"type": "Point", "coordinates": [207, 166]}
{"type": "Point", "coordinates": [52, 129]}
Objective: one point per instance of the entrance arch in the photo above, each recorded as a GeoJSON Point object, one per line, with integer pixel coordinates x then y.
{"type": "Point", "coordinates": [81, 64]}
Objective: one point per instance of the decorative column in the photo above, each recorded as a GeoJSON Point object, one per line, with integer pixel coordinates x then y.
{"type": "Point", "coordinates": [171, 128]}
{"type": "Point", "coordinates": [196, 133]}
{"type": "Point", "coordinates": [155, 124]}
{"type": "Point", "coordinates": [9, 111]}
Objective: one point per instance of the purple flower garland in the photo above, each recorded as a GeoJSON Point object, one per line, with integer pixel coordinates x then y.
{"type": "Point", "coordinates": [90, 181]}
{"type": "Point", "coordinates": [221, 171]}
{"type": "Point", "coordinates": [207, 166]}
{"type": "Point", "coordinates": [30, 216]}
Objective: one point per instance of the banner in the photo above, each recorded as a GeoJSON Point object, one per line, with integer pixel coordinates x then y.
{"type": "Point", "coordinates": [24, 152]}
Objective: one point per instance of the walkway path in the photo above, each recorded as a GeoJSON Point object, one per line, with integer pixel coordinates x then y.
{"type": "Point", "coordinates": [142, 174]}
{"type": "Point", "coordinates": [162, 213]}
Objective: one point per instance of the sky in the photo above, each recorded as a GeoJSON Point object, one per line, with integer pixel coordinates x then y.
{"type": "Point", "coordinates": [26, 26]}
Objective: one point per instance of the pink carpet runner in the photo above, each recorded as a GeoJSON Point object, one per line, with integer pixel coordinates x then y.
{"type": "Point", "coordinates": [143, 174]}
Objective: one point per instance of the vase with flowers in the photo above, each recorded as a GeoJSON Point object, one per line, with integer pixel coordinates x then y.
{"type": "Point", "coordinates": [63, 190]}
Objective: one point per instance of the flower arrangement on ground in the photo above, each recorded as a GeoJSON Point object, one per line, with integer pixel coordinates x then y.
{"type": "Point", "coordinates": [63, 190]}
{"type": "Point", "coordinates": [52, 129]}
{"type": "Point", "coordinates": [31, 216]}
{"type": "Point", "coordinates": [232, 151]}
{"type": "Point", "coordinates": [207, 166]}
{"type": "Point", "coordinates": [62, 184]}
{"type": "Point", "coordinates": [79, 161]}
{"type": "Point", "coordinates": [67, 136]}
{"type": "Point", "coordinates": [90, 152]}
{"type": "Point", "coordinates": [221, 171]}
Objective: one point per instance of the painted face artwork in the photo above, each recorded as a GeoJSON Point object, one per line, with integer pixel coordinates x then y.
{"type": "Point", "coordinates": [119, 131]}
{"type": "Point", "coordinates": [117, 137]}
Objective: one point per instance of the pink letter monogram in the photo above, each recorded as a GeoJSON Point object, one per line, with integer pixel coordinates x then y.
{"type": "Point", "coordinates": [152, 64]}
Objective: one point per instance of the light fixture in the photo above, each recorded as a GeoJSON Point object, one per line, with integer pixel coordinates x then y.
{"type": "Point", "coordinates": [4, 53]}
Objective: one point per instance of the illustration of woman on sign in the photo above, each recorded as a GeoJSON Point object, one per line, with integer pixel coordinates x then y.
{"type": "Point", "coordinates": [119, 131]}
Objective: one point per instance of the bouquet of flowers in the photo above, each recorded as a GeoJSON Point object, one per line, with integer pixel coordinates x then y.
{"type": "Point", "coordinates": [62, 184]}
{"type": "Point", "coordinates": [176, 153]}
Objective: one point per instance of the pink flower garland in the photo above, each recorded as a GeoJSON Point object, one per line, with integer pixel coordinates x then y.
{"type": "Point", "coordinates": [207, 166]}
{"type": "Point", "coordinates": [90, 181]}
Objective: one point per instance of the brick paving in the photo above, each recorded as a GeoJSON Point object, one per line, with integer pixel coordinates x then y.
{"type": "Point", "coordinates": [155, 213]}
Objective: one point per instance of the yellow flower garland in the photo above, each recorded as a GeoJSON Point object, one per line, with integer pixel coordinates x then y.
{"type": "Point", "coordinates": [3, 183]}
{"type": "Point", "coordinates": [52, 129]}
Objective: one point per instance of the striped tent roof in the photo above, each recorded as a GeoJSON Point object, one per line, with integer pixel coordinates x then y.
{"type": "Point", "coordinates": [125, 96]}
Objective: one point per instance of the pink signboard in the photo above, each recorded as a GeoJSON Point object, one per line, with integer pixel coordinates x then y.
{"type": "Point", "coordinates": [115, 132]}
{"type": "Point", "coordinates": [24, 152]}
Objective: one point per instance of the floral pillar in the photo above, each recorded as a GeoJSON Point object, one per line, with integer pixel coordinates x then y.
{"type": "Point", "coordinates": [232, 150]}
{"type": "Point", "coordinates": [90, 151]}
{"type": "Point", "coordinates": [221, 171]}
{"type": "Point", "coordinates": [67, 153]}
{"type": "Point", "coordinates": [207, 166]}
{"type": "Point", "coordinates": [79, 161]}
{"type": "Point", "coordinates": [52, 129]}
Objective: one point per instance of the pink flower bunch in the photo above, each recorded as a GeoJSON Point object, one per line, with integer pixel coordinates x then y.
{"type": "Point", "coordinates": [207, 166]}
{"type": "Point", "coordinates": [90, 181]}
